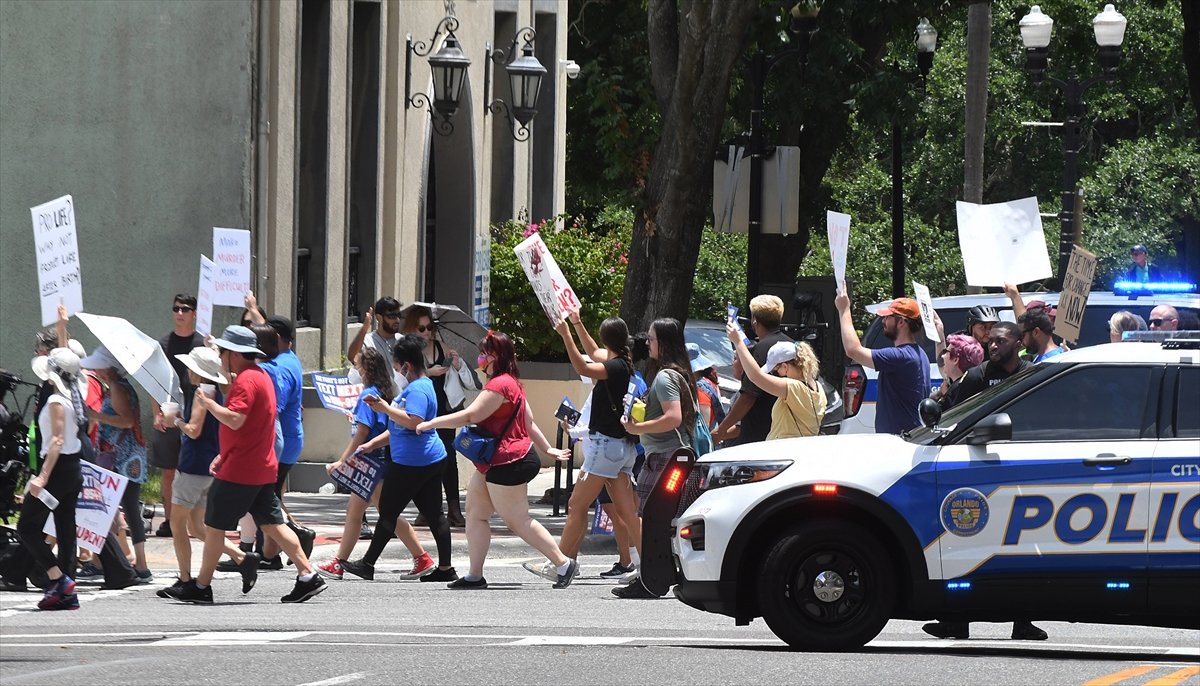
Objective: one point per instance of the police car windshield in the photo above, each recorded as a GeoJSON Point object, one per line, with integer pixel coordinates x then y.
{"type": "Point", "coordinates": [954, 415]}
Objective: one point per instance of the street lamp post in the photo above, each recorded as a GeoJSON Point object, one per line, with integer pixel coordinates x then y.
{"type": "Point", "coordinates": [926, 45]}
{"type": "Point", "coordinates": [803, 24]}
{"type": "Point", "coordinates": [1036, 30]}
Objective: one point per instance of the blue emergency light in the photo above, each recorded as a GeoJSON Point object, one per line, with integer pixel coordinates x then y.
{"type": "Point", "coordinates": [958, 585]}
{"type": "Point", "coordinates": [1149, 287]}
{"type": "Point", "coordinates": [1117, 586]}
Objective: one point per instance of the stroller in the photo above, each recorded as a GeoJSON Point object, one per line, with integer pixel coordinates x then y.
{"type": "Point", "coordinates": [15, 563]}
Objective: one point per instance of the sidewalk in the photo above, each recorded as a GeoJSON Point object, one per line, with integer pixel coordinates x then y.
{"type": "Point", "coordinates": [326, 515]}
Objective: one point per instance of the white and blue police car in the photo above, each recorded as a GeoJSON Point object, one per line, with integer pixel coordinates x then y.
{"type": "Point", "coordinates": [1069, 492]}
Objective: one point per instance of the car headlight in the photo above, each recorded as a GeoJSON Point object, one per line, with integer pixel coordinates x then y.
{"type": "Point", "coordinates": [722, 474]}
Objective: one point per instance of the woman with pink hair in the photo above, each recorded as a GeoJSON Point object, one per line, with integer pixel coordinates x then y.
{"type": "Point", "coordinates": [961, 354]}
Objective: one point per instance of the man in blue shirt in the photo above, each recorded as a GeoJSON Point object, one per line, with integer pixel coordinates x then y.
{"type": "Point", "coordinates": [288, 376]}
{"type": "Point", "coordinates": [903, 369]}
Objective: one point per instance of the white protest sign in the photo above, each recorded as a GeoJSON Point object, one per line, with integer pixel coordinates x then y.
{"type": "Point", "coordinates": [204, 296]}
{"type": "Point", "coordinates": [548, 282]}
{"type": "Point", "coordinates": [926, 305]}
{"type": "Point", "coordinates": [231, 254]}
{"type": "Point", "coordinates": [1076, 286]}
{"type": "Point", "coordinates": [54, 238]}
{"type": "Point", "coordinates": [1002, 242]}
{"type": "Point", "coordinates": [99, 498]}
{"type": "Point", "coordinates": [838, 227]}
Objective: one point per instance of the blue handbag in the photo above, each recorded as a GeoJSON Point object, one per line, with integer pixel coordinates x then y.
{"type": "Point", "coordinates": [477, 445]}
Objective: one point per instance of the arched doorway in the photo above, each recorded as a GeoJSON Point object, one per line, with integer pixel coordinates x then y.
{"type": "Point", "coordinates": [451, 193]}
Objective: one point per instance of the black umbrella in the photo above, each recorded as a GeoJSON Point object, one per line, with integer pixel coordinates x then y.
{"type": "Point", "coordinates": [457, 328]}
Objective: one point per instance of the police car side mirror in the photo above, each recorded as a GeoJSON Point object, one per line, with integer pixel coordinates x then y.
{"type": "Point", "coordinates": [995, 427]}
{"type": "Point", "coordinates": [930, 411]}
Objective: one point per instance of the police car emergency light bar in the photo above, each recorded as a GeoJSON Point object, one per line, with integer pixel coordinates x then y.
{"type": "Point", "coordinates": [1138, 287]}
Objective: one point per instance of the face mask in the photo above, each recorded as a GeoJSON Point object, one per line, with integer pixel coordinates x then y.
{"type": "Point", "coordinates": [481, 361]}
{"type": "Point", "coordinates": [401, 382]}
{"type": "Point", "coordinates": [353, 376]}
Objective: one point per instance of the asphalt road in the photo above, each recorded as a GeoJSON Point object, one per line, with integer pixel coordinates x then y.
{"type": "Point", "coordinates": [521, 631]}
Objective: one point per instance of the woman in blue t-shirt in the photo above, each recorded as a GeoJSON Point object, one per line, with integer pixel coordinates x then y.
{"type": "Point", "coordinates": [368, 424]}
{"type": "Point", "coordinates": [415, 474]}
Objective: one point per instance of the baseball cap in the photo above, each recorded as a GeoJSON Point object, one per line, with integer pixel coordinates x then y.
{"type": "Point", "coordinates": [905, 307]}
{"type": "Point", "coordinates": [783, 351]}
{"type": "Point", "coordinates": [283, 326]}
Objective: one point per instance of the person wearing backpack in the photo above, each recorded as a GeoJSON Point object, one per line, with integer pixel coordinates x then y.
{"type": "Point", "coordinates": [789, 374]}
{"type": "Point", "coordinates": [670, 420]}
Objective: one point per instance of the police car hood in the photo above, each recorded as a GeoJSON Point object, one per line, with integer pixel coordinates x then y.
{"type": "Point", "coordinates": [867, 461]}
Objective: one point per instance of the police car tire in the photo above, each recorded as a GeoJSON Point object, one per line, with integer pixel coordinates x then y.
{"type": "Point", "coordinates": [797, 616]}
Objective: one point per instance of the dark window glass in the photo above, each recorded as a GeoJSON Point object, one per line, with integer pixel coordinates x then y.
{"type": "Point", "coordinates": [1088, 404]}
{"type": "Point", "coordinates": [1187, 408]}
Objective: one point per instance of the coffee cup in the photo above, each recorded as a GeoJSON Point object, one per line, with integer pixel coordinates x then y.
{"type": "Point", "coordinates": [208, 389]}
{"type": "Point", "coordinates": [170, 410]}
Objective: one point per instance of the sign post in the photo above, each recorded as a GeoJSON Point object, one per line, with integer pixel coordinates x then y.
{"type": "Point", "coordinates": [1077, 284]}
{"type": "Point", "coordinates": [231, 254]}
{"type": "Point", "coordinates": [57, 246]}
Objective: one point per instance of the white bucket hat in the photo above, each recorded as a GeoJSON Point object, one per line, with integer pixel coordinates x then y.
{"type": "Point", "coordinates": [204, 362]}
{"type": "Point", "coordinates": [60, 363]}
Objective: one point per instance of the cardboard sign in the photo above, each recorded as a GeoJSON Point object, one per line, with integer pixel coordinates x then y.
{"type": "Point", "coordinates": [231, 254]}
{"type": "Point", "coordinates": [926, 304]}
{"type": "Point", "coordinates": [337, 393]}
{"type": "Point", "coordinates": [548, 282]}
{"type": "Point", "coordinates": [99, 498]}
{"type": "Point", "coordinates": [1002, 242]}
{"type": "Point", "coordinates": [57, 246]}
{"type": "Point", "coordinates": [838, 227]}
{"type": "Point", "coordinates": [360, 474]}
{"type": "Point", "coordinates": [1076, 286]}
{"type": "Point", "coordinates": [204, 296]}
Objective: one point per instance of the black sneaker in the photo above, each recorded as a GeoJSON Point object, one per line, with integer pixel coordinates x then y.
{"type": "Point", "coordinates": [171, 591]}
{"type": "Point", "coordinates": [463, 584]}
{"type": "Point", "coordinates": [359, 569]}
{"type": "Point", "coordinates": [190, 593]}
{"type": "Point", "coordinates": [13, 586]}
{"type": "Point", "coordinates": [618, 570]}
{"type": "Point", "coordinates": [957, 630]}
{"type": "Point", "coordinates": [249, 571]}
{"type": "Point", "coordinates": [164, 529]}
{"type": "Point", "coordinates": [441, 575]}
{"type": "Point", "coordinates": [124, 583]}
{"type": "Point", "coordinates": [307, 537]}
{"type": "Point", "coordinates": [303, 590]}
{"type": "Point", "coordinates": [634, 591]}
{"type": "Point", "coordinates": [1026, 631]}
{"type": "Point", "coordinates": [227, 565]}
{"type": "Point", "coordinates": [365, 533]}
{"type": "Point", "coordinates": [271, 563]}
{"type": "Point", "coordinates": [564, 580]}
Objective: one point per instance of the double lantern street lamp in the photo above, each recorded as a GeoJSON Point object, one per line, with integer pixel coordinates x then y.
{"type": "Point", "coordinates": [1036, 30]}
{"type": "Point", "coordinates": [449, 66]}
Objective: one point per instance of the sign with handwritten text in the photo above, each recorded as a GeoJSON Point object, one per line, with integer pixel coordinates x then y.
{"type": "Point", "coordinates": [231, 255]}
{"type": "Point", "coordinates": [549, 284]}
{"type": "Point", "coordinates": [57, 245]}
{"type": "Point", "coordinates": [204, 296]}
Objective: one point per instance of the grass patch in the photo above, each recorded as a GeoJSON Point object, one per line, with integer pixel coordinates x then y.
{"type": "Point", "coordinates": [152, 489]}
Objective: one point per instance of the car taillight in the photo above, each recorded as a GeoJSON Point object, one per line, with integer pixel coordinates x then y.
{"type": "Point", "coordinates": [674, 480]}
{"type": "Point", "coordinates": [854, 385]}
{"type": "Point", "coordinates": [694, 534]}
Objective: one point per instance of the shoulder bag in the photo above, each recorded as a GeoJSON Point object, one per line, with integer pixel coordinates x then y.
{"type": "Point", "coordinates": [477, 445]}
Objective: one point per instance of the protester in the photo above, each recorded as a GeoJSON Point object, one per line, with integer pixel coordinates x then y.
{"type": "Point", "coordinates": [704, 373]}
{"type": "Point", "coordinates": [669, 419]}
{"type": "Point", "coordinates": [752, 408]}
{"type": "Point", "coordinates": [903, 368]}
{"type": "Point", "coordinates": [415, 474]}
{"type": "Point", "coordinates": [448, 374]}
{"type": "Point", "coordinates": [1164, 318]}
{"type": "Point", "coordinates": [1037, 334]}
{"type": "Point", "coordinates": [386, 314]}
{"type": "Point", "coordinates": [121, 438]}
{"type": "Point", "coordinates": [502, 485]}
{"type": "Point", "coordinates": [800, 404]}
{"type": "Point", "coordinates": [165, 439]}
{"type": "Point", "coordinates": [1140, 271]}
{"type": "Point", "coordinates": [198, 447]}
{"type": "Point", "coordinates": [1003, 361]}
{"type": "Point", "coordinates": [980, 320]}
{"type": "Point", "coordinates": [376, 374]}
{"type": "Point", "coordinates": [245, 472]}
{"type": "Point", "coordinates": [1124, 321]}
{"type": "Point", "coordinates": [59, 422]}
{"type": "Point", "coordinates": [962, 354]}
{"type": "Point", "coordinates": [608, 450]}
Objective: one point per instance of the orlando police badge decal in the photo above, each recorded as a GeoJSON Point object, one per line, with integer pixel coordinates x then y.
{"type": "Point", "coordinates": [965, 512]}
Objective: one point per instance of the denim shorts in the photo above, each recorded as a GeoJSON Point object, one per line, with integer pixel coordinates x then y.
{"type": "Point", "coordinates": [607, 457]}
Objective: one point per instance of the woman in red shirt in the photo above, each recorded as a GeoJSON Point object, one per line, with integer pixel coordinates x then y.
{"type": "Point", "coordinates": [502, 486]}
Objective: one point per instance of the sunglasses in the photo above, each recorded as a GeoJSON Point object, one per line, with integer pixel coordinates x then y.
{"type": "Point", "coordinates": [422, 328]}
{"type": "Point", "coordinates": [182, 309]}
{"type": "Point", "coordinates": [1160, 322]}
{"type": "Point", "coordinates": [390, 315]}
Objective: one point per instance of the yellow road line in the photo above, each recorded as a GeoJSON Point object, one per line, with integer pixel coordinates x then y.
{"type": "Point", "coordinates": [1175, 677]}
{"type": "Point", "coordinates": [1117, 677]}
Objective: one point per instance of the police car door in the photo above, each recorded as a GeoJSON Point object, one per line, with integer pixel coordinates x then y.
{"type": "Point", "coordinates": [1057, 516]}
{"type": "Point", "coordinates": [1175, 496]}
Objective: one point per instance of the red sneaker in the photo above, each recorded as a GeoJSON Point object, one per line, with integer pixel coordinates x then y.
{"type": "Point", "coordinates": [421, 566]}
{"type": "Point", "coordinates": [331, 569]}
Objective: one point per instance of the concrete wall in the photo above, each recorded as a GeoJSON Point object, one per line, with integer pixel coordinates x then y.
{"type": "Point", "coordinates": [144, 113]}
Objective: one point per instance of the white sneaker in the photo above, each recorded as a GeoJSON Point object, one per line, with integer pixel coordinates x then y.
{"type": "Point", "coordinates": [546, 570]}
{"type": "Point", "coordinates": [630, 577]}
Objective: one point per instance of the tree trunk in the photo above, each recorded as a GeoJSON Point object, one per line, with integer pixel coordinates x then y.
{"type": "Point", "coordinates": [979, 42]}
{"type": "Point", "coordinates": [694, 45]}
{"type": "Point", "coordinates": [1191, 51]}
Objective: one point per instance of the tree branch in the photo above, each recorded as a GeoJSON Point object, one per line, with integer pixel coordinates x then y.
{"type": "Point", "coordinates": [663, 36]}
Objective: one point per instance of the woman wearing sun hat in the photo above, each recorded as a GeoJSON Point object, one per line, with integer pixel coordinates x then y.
{"type": "Point", "coordinates": [790, 375]}
{"type": "Point", "coordinates": [59, 422]}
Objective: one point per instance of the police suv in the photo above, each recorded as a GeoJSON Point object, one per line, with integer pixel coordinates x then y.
{"type": "Point", "coordinates": [1069, 492]}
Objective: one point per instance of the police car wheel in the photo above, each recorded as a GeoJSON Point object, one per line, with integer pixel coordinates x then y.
{"type": "Point", "coordinates": [823, 586]}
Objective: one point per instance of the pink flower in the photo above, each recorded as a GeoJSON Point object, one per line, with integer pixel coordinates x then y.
{"type": "Point", "coordinates": [533, 228]}
{"type": "Point", "coordinates": [624, 259]}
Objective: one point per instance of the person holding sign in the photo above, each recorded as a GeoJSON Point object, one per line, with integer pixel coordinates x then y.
{"type": "Point", "coordinates": [54, 490]}
{"type": "Point", "coordinates": [790, 374]}
{"type": "Point", "coordinates": [753, 407]}
{"type": "Point", "coordinates": [502, 485]}
{"type": "Point", "coordinates": [903, 368]}
{"type": "Point", "coordinates": [415, 474]}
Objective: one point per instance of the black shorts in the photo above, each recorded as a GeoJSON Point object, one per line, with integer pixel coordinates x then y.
{"type": "Point", "coordinates": [228, 502]}
{"type": "Point", "coordinates": [516, 473]}
{"type": "Point", "coordinates": [164, 448]}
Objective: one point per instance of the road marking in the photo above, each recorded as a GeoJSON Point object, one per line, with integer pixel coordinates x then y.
{"type": "Point", "coordinates": [25, 606]}
{"type": "Point", "coordinates": [334, 681]}
{"type": "Point", "coordinates": [232, 638]}
{"type": "Point", "coordinates": [1174, 678]}
{"type": "Point", "coordinates": [1118, 677]}
{"type": "Point", "coordinates": [569, 641]}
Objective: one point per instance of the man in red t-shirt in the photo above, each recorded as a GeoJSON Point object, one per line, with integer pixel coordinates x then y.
{"type": "Point", "coordinates": [244, 473]}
